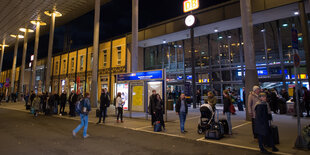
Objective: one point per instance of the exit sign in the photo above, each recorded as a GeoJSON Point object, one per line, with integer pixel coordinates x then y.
{"type": "Point", "coordinates": [190, 5]}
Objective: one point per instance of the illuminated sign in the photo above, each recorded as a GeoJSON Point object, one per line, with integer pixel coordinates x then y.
{"type": "Point", "coordinates": [150, 75]}
{"type": "Point", "coordinates": [190, 20]}
{"type": "Point", "coordinates": [190, 5]}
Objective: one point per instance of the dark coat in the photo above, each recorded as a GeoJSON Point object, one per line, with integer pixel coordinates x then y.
{"type": "Point", "coordinates": [104, 100]}
{"type": "Point", "coordinates": [152, 101]}
{"type": "Point", "coordinates": [261, 120]}
{"type": "Point", "coordinates": [159, 105]}
{"type": "Point", "coordinates": [63, 98]}
{"type": "Point", "coordinates": [72, 98]}
{"type": "Point", "coordinates": [178, 106]}
{"type": "Point", "coordinates": [32, 96]}
{"type": "Point", "coordinates": [227, 104]}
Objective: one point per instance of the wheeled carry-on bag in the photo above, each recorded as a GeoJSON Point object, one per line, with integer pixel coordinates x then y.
{"type": "Point", "coordinates": [224, 124]}
{"type": "Point", "coordinates": [213, 134]}
{"type": "Point", "coordinates": [157, 126]}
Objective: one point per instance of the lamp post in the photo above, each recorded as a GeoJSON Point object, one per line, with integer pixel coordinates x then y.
{"type": "Point", "coordinates": [14, 61]}
{"type": "Point", "coordinates": [38, 23]}
{"type": "Point", "coordinates": [53, 14]}
{"type": "Point", "coordinates": [3, 45]}
{"type": "Point", "coordinates": [22, 70]}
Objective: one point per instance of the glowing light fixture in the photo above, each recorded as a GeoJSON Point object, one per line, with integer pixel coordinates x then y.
{"type": "Point", "coordinates": [14, 36]}
{"type": "Point", "coordinates": [35, 22]}
{"type": "Point", "coordinates": [24, 30]}
{"type": "Point", "coordinates": [49, 13]}
{"type": "Point", "coordinates": [296, 13]}
{"type": "Point", "coordinates": [284, 25]}
{"type": "Point", "coordinates": [4, 45]}
{"type": "Point", "coordinates": [216, 30]}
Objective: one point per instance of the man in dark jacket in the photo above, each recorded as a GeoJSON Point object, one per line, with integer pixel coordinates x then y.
{"type": "Point", "coordinates": [306, 100]}
{"type": "Point", "coordinates": [32, 96]}
{"type": "Point", "coordinates": [104, 104]}
{"type": "Point", "coordinates": [152, 102]}
{"type": "Point", "coordinates": [181, 109]}
{"type": "Point", "coordinates": [63, 101]}
{"type": "Point", "coordinates": [262, 127]}
{"type": "Point", "coordinates": [72, 101]}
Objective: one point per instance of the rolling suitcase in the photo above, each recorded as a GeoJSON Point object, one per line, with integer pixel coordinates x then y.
{"type": "Point", "coordinates": [157, 126]}
{"type": "Point", "coordinates": [224, 124]}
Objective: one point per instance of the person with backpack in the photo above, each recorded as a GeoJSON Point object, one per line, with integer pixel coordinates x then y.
{"type": "Point", "coordinates": [104, 104]}
{"type": "Point", "coordinates": [83, 108]}
{"type": "Point", "coordinates": [119, 106]}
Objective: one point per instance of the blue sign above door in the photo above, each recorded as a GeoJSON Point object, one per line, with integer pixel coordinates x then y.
{"type": "Point", "coordinates": [150, 75]}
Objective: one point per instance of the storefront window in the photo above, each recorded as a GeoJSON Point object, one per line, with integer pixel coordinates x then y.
{"type": "Point", "coordinates": [81, 62]}
{"type": "Point", "coordinates": [119, 55]}
{"type": "Point", "coordinates": [64, 65]}
{"type": "Point", "coordinates": [56, 67]}
{"type": "Point", "coordinates": [72, 65]}
{"type": "Point", "coordinates": [105, 55]}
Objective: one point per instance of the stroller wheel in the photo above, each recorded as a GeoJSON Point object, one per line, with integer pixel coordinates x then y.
{"type": "Point", "coordinates": [200, 131]}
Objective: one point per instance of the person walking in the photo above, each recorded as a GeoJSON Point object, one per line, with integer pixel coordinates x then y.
{"type": "Point", "coordinates": [119, 106]}
{"type": "Point", "coordinates": [151, 110]}
{"type": "Point", "coordinates": [252, 100]}
{"type": "Point", "coordinates": [83, 109]}
{"type": "Point", "coordinates": [63, 101]}
{"type": "Point", "coordinates": [104, 104]}
{"type": "Point", "coordinates": [226, 110]}
{"type": "Point", "coordinates": [262, 125]}
{"type": "Point", "coordinates": [158, 110]}
{"type": "Point", "coordinates": [181, 109]}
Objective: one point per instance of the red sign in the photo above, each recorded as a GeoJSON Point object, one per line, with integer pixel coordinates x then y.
{"type": "Point", "coordinates": [190, 5]}
{"type": "Point", "coordinates": [77, 85]}
{"type": "Point", "coordinates": [296, 60]}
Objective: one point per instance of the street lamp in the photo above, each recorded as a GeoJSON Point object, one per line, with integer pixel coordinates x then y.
{"type": "Point", "coordinates": [38, 23]}
{"type": "Point", "coordinates": [22, 70]}
{"type": "Point", "coordinates": [53, 14]}
{"type": "Point", "coordinates": [17, 36]}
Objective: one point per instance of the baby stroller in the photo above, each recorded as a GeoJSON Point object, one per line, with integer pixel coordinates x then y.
{"type": "Point", "coordinates": [206, 118]}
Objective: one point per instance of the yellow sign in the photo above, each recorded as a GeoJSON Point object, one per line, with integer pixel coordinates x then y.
{"type": "Point", "coordinates": [137, 95]}
{"type": "Point", "coordinates": [190, 5]}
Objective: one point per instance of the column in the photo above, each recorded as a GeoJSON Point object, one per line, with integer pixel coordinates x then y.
{"type": "Point", "coordinates": [94, 87]}
{"type": "Point", "coordinates": [14, 62]}
{"type": "Point", "coordinates": [22, 71]}
{"type": "Point", "coordinates": [2, 52]}
{"type": "Point", "coordinates": [251, 77]}
{"type": "Point", "coordinates": [36, 46]}
{"type": "Point", "coordinates": [53, 15]}
{"type": "Point", "coordinates": [134, 41]}
{"type": "Point", "coordinates": [305, 35]}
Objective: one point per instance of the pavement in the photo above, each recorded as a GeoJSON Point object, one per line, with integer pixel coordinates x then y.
{"type": "Point", "coordinates": [241, 140]}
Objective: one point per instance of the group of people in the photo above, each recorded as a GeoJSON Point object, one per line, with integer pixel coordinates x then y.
{"type": "Point", "coordinates": [48, 102]}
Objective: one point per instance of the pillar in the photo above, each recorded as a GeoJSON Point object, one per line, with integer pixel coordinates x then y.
{"type": "Point", "coordinates": [94, 82]}
{"type": "Point", "coordinates": [2, 53]}
{"type": "Point", "coordinates": [34, 63]}
{"type": "Point", "coordinates": [251, 77]}
{"type": "Point", "coordinates": [14, 64]}
{"type": "Point", "coordinates": [49, 55]}
{"type": "Point", "coordinates": [305, 35]}
{"type": "Point", "coordinates": [22, 68]}
{"type": "Point", "coordinates": [134, 41]}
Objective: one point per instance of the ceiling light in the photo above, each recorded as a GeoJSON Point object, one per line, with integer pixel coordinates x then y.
{"type": "Point", "coordinates": [14, 36]}
{"type": "Point", "coordinates": [216, 30]}
{"type": "Point", "coordinates": [164, 41]}
{"type": "Point", "coordinates": [284, 25]}
{"type": "Point", "coordinates": [35, 22]}
{"type": "Point", "coordinates": [262, 30]}
{"type": "Point", "coordinates": [24, 30]}
{"type": "Point", "coordinates": [49, 13]}
{"type": "Point", "coordinates": [296, 13]}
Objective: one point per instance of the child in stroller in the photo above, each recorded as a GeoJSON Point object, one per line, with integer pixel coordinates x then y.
{"type": "Point", "coordinates": [206, 118]}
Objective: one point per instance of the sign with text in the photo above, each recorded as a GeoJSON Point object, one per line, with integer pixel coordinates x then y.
{"type": "Point", "coordinates": [158, 74]}
{"type": "Point", "coordinates": [190, 5]}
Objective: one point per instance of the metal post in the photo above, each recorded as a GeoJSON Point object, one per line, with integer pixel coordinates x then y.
{"type": "Point", "coordinates": [34, 65]}
{"type": "Point", "coordinates": [265, 49]}
{"type": "Point", "coordinates": [281, 53]}
{"type": "Point", "coordinates": [193, 68]}
{"type": "Point", "coordinates": [94, 87]}
{"type": "Point", "coordinates": [2, 53]}
{"type": "Point", "coordinates": [49, 56]}
{"type": "Point", "coordinates": [14, 64]}
{"type": "Point", "coordinates": [134, 41]}
{"type": "Point", "coordinates": [165, 94]}
{"type": "Point", "coordinates": [251, 77]}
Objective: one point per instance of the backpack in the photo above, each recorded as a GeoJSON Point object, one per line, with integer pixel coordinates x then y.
{"type": "Point", "coordinates": [80, 108]}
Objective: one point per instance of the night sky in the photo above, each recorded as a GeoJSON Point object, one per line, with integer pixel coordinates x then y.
{"type": "Point", "coordinates": [115, 20]}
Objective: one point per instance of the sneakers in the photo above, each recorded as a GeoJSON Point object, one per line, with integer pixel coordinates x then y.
{"type": "Point", "coordinates": [264, 151]}
{"type": "Point", "coordinates": [73, 134]}
{"type": "Point", "coordinates": [87, 135]}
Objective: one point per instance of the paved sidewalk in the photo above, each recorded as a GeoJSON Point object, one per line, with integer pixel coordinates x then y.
{"type": "Point", "coordinates": [242, 132]}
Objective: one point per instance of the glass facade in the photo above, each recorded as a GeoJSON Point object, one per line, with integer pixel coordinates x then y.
{"type": "Point", "coordinates": [219, 60]}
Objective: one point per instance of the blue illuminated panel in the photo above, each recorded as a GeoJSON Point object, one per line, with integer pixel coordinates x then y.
{"type": "Point", "coordinates": [158, 74]}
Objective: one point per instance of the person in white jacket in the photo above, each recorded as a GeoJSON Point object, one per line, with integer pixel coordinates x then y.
{"type": "Point", "coordinates": [119, 106]}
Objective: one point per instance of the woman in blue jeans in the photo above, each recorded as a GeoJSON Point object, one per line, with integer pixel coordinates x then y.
{"type": "Point", "coordinates": [181, 109]}
{"type": "Point", "coordinates": [227, 112]}
{"type": "Point", "coordinates": [84, 109]}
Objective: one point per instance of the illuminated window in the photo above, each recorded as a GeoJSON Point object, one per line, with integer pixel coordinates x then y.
{"type": "Point", "coordinates": [56, 67]}
{"type": "Point", "coordinates": [64, 65]}
{"type": "Point", "coordinates": [72, 64]}
{"type": "Point", "coordinates": [105, 55]}
{"type": "Point", "coordinates": [91, 60]}
{"type": "Point", "coordinates": [119, 55]}
{"type": "Point", "coordinates": [81, 62]}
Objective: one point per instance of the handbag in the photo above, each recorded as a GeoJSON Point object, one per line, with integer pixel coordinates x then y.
{"type": "Point", "coordinates": [232, 109]}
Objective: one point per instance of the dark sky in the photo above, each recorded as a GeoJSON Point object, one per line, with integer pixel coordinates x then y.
{"type": "Point", "coordinates": [115, 20]}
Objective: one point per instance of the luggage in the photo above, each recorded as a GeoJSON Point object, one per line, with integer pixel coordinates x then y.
{"type": "Point", "coordinates": [224, 124]}
{"type": "Point", "coordinates": [157, 126]}
{"type": "Point", "coordinates": [97, 113]}
{"type": "Point", "coordinates": [275, 134]}
{"type": "Point", "coordinates": [213, 134]}
{"type": "Point", "coordinates": [28, 107]}
{"type": "Point", "coordinates": [240, 106]}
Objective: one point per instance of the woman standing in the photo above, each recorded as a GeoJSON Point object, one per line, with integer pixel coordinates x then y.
{"type": "Point", "coordinates": [159, 110]}
{"type": "Point", "coordinates": [119, 106]}
{"type": "Point", "coordinates": [83, 110]}
{"type": "Point", "coordinates": [227, 105]}
{"type": "Point", "coordinates": [211, 100]}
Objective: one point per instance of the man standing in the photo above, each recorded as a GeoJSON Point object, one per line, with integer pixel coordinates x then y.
{"type": "Point", "coordinates": [63, 101]}
{"type": "Point", "coordinates": [181, 109]}
{"type": "Point", "coordinates": [32, 96]}
{"type": "Point", "coordinates": [104, 103]}
{"type": "Point", "coordinates": [72, 101]}
{"type": "Point", "coordinates": [152, 102]}
{"type": "Point", "coordinates": [306, 100]}
{"type": "Point", "coordinates": [252, 100]}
